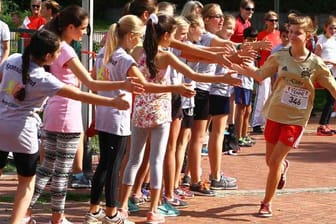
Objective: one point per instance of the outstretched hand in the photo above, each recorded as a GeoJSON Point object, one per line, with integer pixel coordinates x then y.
{"type": "Point", "coordinates": [244, 69]}
{"type": "Point", "coordinates": [229, 79]}
{"type": "Point", "coordinates": [133, 85]}
{"type": "Point", "coordinates": [247, 51]}
{"type": "Point", "coordinates": [120, 103]}
{"type": "Point", "coordinates": [260, 45]}
{"type": "Point", "coordinates": [186, 90]}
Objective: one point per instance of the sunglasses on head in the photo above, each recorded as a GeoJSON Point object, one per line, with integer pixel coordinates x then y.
{"type": "Point", "coordinates": [36, 6]}
{"type": "Point", "coordinates": [249, 9]}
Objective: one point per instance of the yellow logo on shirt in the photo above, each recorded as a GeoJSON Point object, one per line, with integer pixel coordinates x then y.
{"type": "Point", "coordinates": [103, 73]}
{"type": "Point", "coordinates": [12, 87]}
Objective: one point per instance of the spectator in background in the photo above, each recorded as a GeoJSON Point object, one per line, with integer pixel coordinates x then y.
{"type": "Point", "coordinates": [284, 30]}
{"type": "Point", "coordinates": [141, 8]}
{"type": "Point", "coordinates": [192, 7]}
{"type": "Point", "coordinates": [4, 40]}
{"type": "Point", "coordinates": [271, 34]}
{"type": "Point", "coordinates": [49, 9]}
{"type": "Point", "coordinates": [166, 7]}
{"type": "Point", "coordinates": [326, 49]}
{"type": "Point", "coordinates": [243, 97]}
{"type": "Point", "coordinates": [312, 41]}
{"type": "Point", "coordinates": [34, 21]}
{"type": "Point", "coordinates": [16, 19]}
{"type": "Point", "coordinates": [246, 11]}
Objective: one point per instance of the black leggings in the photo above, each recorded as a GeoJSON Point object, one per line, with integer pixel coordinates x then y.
{"type": "Point", "coordinates": [328, 109]}
{"type": "Point", "coordinates": [112, 150]}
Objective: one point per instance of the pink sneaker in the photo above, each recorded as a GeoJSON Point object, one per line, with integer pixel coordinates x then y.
{"type": "Point", "coordinates": [123, 212]}
{"type": "Point", "coordinates": [265, 210]}
{"type": "Point", "coordinates": [282, 180]}
{"type": "Point", "coordinates": [154, 218]}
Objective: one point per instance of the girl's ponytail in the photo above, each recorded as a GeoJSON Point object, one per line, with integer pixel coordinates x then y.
{"type": "Point", "coordinates": [118, 31]}
{"type": "Point", "coordinates": [21, 93]}
{"type": "Point", "coordinates": [111, 43]}
{"type": "Point", "coordinates": [150, 44]}
{"type": "Point", "coordinates": [157, 26]}
{"type": "Point", "coordinates": [42, 42]}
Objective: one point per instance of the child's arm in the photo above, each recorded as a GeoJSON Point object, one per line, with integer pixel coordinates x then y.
{"type": "Point", "coordinates": [183, 89]}
{"type": "Point", "coordinates": [259, 45]}
{"type": "Point", "coordinates": [171, 59]}
{"type": "Point", "coordinates": [90, 98]}
{"type": "Point", "coordinates": [269, 68]}
{"type": "Point", "coordinates": [318, 52]}
{"type": "Point", "coordinates": [191, 52]}
{"type": "Point", "coordinates": [98, 85]}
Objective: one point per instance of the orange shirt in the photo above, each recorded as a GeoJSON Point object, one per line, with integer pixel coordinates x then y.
{"type": "Point", "coordinates": [34, 23]}
{"type": "Point", "coordinates": [273, 37]}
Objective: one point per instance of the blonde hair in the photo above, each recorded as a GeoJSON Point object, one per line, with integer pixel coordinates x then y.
{"type": "Point", "coordinates": [304, 22]}
{"type": "Point", "coordinates": [117, 31]}
{"type": "Point", "coordinates": [270, 14]}
{"type": "Point", "coordinates": [208, 9]}
{"type": "Point", "coordinates": [194, 20]}
{"type": "Point", "coordinates": [181, 22]}
{"type": "Point", "coordinates": [227, 18]}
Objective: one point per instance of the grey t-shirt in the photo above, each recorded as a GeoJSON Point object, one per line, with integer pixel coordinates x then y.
{"type": "Point", "coordinates": [18, 122]}
{"type": "Point", "coordinates": [206, 67]}
{"type": "Point", "coordinates": [220, 89]}
{"type": "Point", "coordinates": [109, 119]}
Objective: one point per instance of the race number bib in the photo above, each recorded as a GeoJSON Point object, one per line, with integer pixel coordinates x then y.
{"type": "Point", "coordinates": [295, 97]}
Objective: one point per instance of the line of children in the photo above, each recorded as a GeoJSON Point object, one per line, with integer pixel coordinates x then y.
{"type": "Point", "coordinates": [60, 117]}
{"type": "Point", "coordinates": [24, 87]}
{"type": "Point", "coordinates": [152, 112]}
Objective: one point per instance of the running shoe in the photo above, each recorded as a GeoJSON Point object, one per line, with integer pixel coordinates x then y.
{"type": "Point", "coordinates": [176, 202]}
{"type": "Point", "coordinates": [201, 189]}
{"type": "Point", "coordinates": [324, 131]}
{"type": "Point", "coordinates": [91, 218]}
{"type": "Point", "coordinates": [155, 218]}
{"type": "Point", "coordinates": [118, 219]}
{"type": "Point", "coordinates": [168, 210]}
{"type": "Point", "coordinates": [265, 210]}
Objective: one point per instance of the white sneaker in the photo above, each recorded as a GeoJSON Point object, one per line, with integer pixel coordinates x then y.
{"type": "Point", "coordinates": [119, 219]}
{"type": "Point", "coordinates": [28, 220]}
{"type": "Point", "coordinates": [333, 114]}
{"type": "Point", "coordinates": [94, 219]}
{"type": "Point", "coordinates": [63, 221]}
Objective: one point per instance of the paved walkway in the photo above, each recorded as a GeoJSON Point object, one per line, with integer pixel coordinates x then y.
{"type": "Point", "coordinates": [309, 196]}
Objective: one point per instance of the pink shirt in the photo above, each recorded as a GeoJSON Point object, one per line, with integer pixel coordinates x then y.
{"type": "Point", "coordinates": [63, 114]}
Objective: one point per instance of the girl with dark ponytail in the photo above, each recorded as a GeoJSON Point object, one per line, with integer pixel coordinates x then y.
{"type": "Point", "coordinates": [62, 117]}
{"type": "Point", "coordinates": [152, 111]}
{"type": "Point", "coordinates": [24, 85]}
